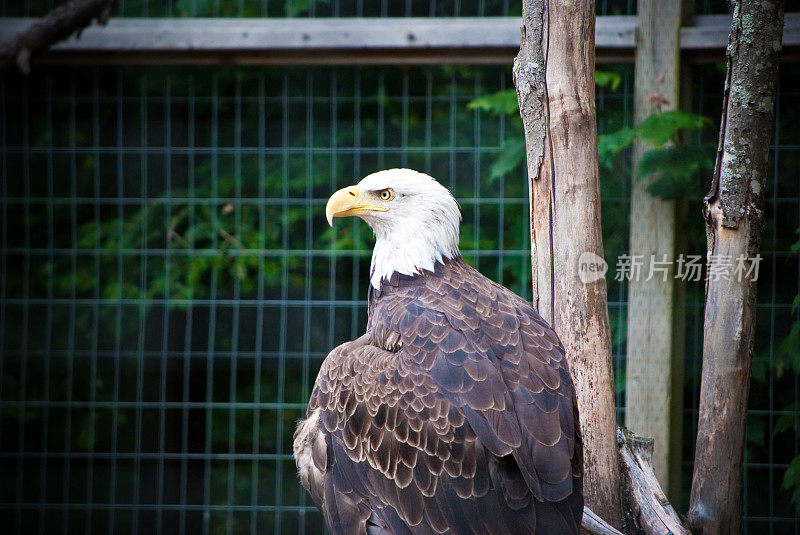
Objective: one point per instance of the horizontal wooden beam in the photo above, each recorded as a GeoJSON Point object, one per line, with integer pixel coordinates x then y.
{"type": "Point", "coordinates": [350, 41]}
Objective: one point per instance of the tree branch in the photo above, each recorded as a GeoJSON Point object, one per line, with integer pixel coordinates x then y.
{"type": "Point", "coordinates": [647, 503]}
{"type": "Point", "coordinates": [596, 525]}
{"type": "Point", "coordinates": [59, 24]}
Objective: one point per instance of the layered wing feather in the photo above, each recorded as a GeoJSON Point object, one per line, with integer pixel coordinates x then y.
{"type": "Point", "coordinates": [455, 413]}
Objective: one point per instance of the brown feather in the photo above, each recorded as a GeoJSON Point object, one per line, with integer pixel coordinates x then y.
{"type": "Point", "coordinates": [455, 412]}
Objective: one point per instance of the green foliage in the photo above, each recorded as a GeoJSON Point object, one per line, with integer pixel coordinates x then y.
{"type": "Point", "coordinates": [241, 226]}
{"type": "Point", "coordinates": [675, 165]}
{"type": "Point", "coordinates": [219, 243]}
{"type": "Point", "coordinates": [499, 103]}
{"type": "Point", "coordinates": [787, 356]}
{"type": "Point", "coordinates": [675, 168]}
{"type": "Point", "coordinates": [512, 155]}
{"type": "Point", "coordinates": [786, 421]}
{"type": "Point", "coordinates": [791, 481]}
{"type": "Point", "coordinates": [607, 79]}
{"type": "Point", "coordinates": [661, 128]}
{"type": "Point", "coordinates": [610, 145]}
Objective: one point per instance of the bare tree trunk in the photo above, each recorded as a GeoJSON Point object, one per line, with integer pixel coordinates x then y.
{"type": "Point", "coordinates": [56, 26]}
{"type": "Point", "coordinates": [554, 76]}
{"type": "Point", "coordinates": [733, 210]}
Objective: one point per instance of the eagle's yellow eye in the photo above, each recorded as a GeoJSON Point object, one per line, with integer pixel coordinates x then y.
{"type": "Point", "coordinates": [387, 194]}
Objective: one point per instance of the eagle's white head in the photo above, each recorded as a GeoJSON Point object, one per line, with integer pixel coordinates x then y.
{"type": "Point", "coordinates": [415, 220]}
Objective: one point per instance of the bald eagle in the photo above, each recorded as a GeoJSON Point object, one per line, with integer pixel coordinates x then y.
{"type": "Point", "coordinates": [455, 411]}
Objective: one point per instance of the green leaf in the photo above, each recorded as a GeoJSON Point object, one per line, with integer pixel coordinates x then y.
{"type": "Point", "coordinates": [674, 161]}
{"type": "Point", "coordinates": [609, 145]}
{"type": "Point", "coordinates": [500, 103]}
{"type": "Point", "coordinates": [795, 248]}
{"type": "Point", "coordinates": [659, 128]}
{"type": "Point", "coordinates": [607, 79]}
{"type": "Point", "coordinates": [791, 481]}
{"type": "Point", "coordinates": [786, 420]}
{"type": "Point", "coordinates": [505, 102]}
{"type": "Point", "coordinates": [513, 154]}
{"type": "Point", "coordinates": [676, 166]}
{"type": "Point", "coordinates": [786, 354]}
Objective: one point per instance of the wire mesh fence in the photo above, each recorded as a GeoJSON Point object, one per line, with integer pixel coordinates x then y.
{"type": "Point", "coordinates": [305, 8]}
{"type": "Point", "coordinates": [169, 285]}
{"type": "Point", "coordinates": [170, 288]}
{"type": "Point", "coordinates": [328, 8]}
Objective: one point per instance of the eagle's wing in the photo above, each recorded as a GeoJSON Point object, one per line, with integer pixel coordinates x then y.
{"type": "Point", "coordinates": [465, 428]}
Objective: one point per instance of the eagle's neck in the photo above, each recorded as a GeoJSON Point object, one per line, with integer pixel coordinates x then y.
{"type": "Point", "coordinates": [411, 247]}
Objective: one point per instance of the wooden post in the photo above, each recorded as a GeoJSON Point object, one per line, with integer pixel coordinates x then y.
{"type": "Point", "coordinates": [554, 77]}
{"type": "Point", "coordinates": [651, 299]}
{"type": "Point", "coordinates": [733, 210]}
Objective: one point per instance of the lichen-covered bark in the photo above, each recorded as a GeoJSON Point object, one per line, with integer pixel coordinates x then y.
{"type": "Point", "coordinates": [733, 211]}
{"type": "Point", "coordinates": [529, 79]}
{"type": "Point", "coordinates": [554, 74]}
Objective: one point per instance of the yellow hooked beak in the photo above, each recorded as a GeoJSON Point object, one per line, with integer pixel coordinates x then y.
{"type": "Point", "coordinates": [347, 202]}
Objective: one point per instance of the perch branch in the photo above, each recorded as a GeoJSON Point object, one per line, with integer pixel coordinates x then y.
{"type": "Point", "coordinates": [648, 504]}
{"type": "Point", "coordinates": [596, 525]}
{"type": "Point", "coordinates": [59, 24]}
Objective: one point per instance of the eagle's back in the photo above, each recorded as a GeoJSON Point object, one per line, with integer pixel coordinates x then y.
{"type": "Point", "coordinates": [454, 413]}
